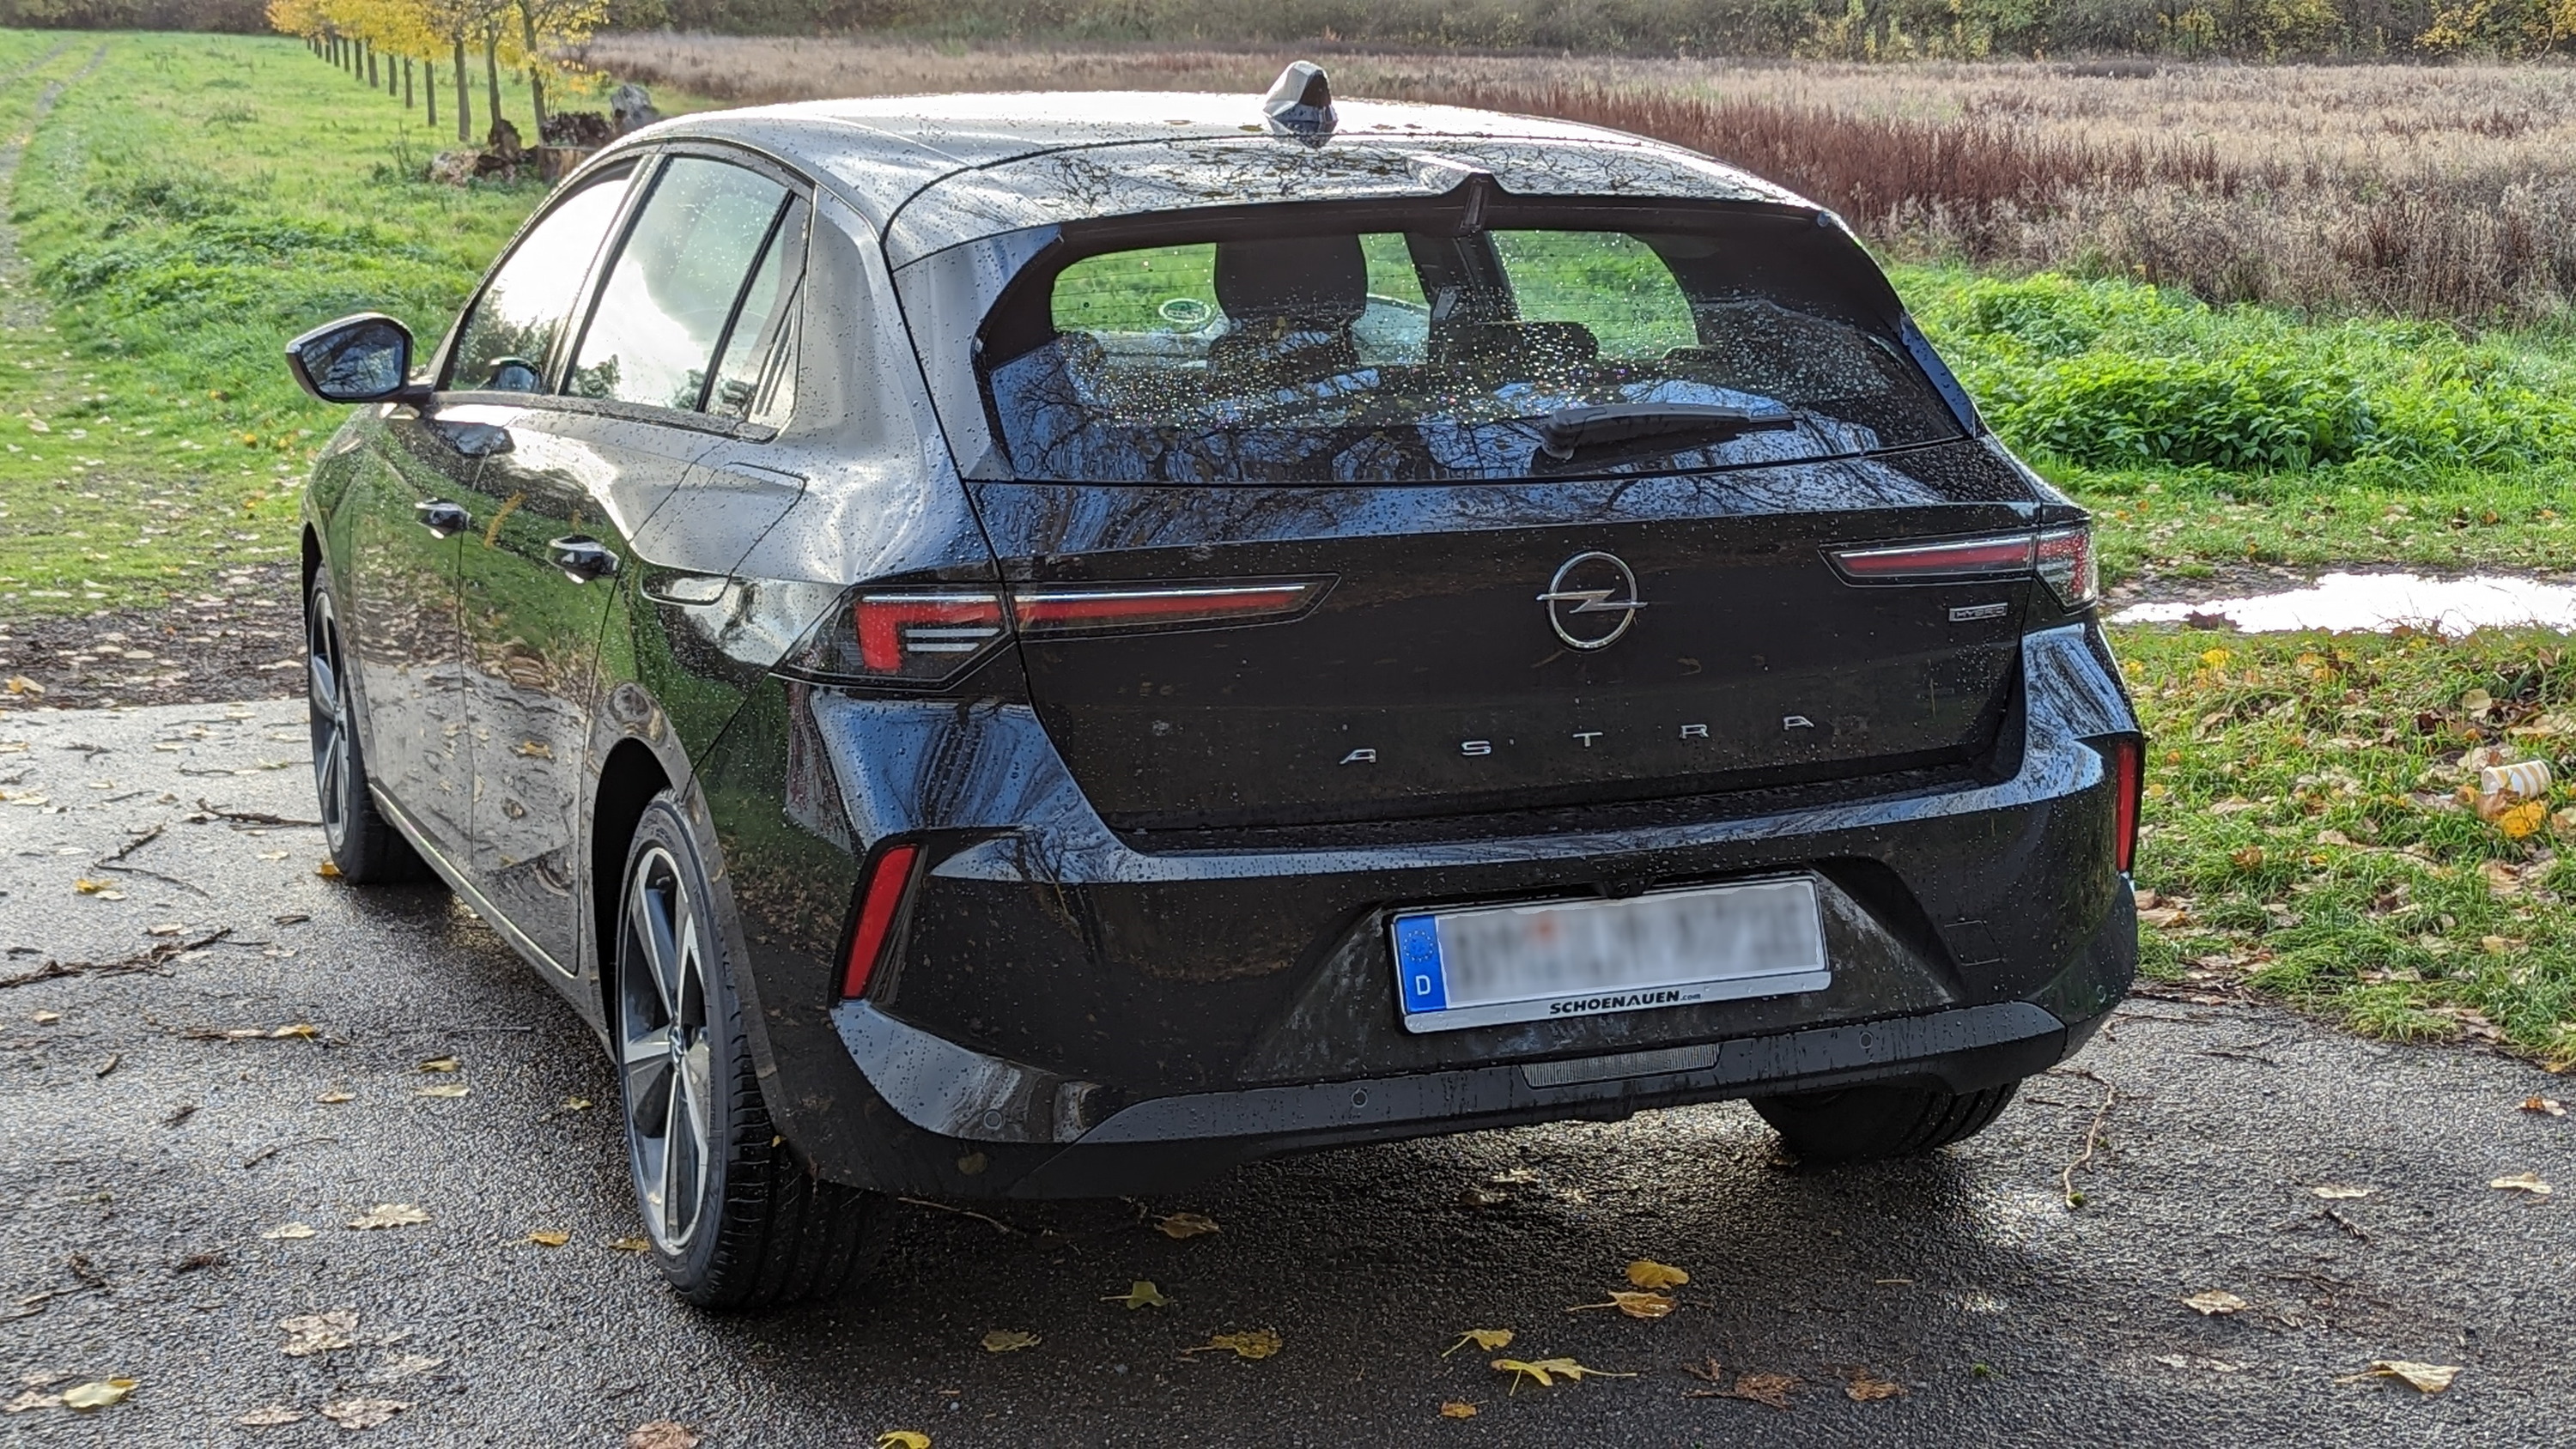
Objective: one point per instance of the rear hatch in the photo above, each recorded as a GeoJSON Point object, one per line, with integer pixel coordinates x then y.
{"type": "Point", "coordinates": [1431, 678]}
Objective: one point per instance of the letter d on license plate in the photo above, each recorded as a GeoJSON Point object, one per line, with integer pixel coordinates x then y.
{"type": "Point", "coordinates": [1582, 958]}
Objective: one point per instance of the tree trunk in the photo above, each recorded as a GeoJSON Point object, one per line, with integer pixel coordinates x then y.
{"type": "Point", "coordinates": [464, 96]}
{"type": "Point", "coordinates": [492, 73]}
{"type": "Point", "coordinates": [536, 76]}
{"type": "Point", "coordinates": [369, 50]}
{"type": "Point", "coordinates": [429, 88]}
{"type": "Point", "coordinates": [406, 83]}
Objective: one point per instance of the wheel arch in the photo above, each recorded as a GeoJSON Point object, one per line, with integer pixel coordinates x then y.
{"type": "Point", "coordinates": [629, 778]}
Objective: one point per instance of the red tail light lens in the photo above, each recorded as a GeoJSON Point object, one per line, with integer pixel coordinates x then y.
{"type": "Point", "coordinates": [929, 634]}
{"type": "Point", "coordinates": [925, 635]}
{"type": "Point", "coordinates": [2061, 557]}
{"type": "Point", "coordinates": [1069, 609]}
{"type": "Point", "coordinates": [888, 881]}
{"type": "Point", "coordinates": [2127, 759]}
{"type": "Point", "coordinates": [2066, 564]}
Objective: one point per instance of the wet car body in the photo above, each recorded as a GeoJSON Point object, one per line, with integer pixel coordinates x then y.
{"type": "Point", "coordinates": [1143, 883]}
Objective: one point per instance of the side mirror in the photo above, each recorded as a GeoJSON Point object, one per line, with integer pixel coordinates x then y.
{"type": "Point", "coordinates": [361, 359]}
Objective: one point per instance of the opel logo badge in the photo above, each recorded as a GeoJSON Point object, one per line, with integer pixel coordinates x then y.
{"type": "Point", "coordinates": [1592, 600]}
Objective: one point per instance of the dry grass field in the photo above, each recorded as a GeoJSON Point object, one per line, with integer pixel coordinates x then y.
{"type": "Point", "coordinates": [2442, 192]}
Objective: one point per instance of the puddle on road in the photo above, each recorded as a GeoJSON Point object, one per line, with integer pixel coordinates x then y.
{"type": "Point", "coordinates": [2378, 603]}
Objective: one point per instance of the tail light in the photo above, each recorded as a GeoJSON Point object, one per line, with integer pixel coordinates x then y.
{"type": "Point", "coordinates": [2126, 755]}
{"type": "Point", "coordinates": [879, 903]}
{"type": "Point", "coordinates": [927, 635]}
{"type": "Point", "coordinates": [2061, 557]}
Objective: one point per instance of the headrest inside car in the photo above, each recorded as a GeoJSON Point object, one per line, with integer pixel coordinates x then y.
{"type": "Point", "coordinates": [1319, 281]}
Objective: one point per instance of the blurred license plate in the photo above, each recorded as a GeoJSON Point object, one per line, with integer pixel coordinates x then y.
{"type": "Point", "coordinates": [1583, 958]}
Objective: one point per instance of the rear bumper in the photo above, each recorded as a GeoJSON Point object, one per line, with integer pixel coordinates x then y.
{"type": "Point", "coordinates": [1070, 1015]}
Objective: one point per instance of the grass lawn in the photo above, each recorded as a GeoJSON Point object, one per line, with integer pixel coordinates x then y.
{"type": "Point", "coordinates": [191, 201]}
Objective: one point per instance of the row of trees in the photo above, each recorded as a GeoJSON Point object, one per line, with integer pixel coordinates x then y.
{"type": "Point", "coordinates": [379, 41]}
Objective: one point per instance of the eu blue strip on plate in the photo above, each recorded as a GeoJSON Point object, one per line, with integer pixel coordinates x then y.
{"type": "Point", "coordinates": [1417, 963]}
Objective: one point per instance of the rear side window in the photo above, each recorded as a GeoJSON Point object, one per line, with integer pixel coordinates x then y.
{"type": "Point", "coordinates": [685, 266]}
{"type": "Point", "coordinates": [1391, 355]}
{"type": "Point", "coordinates": [503, 343]}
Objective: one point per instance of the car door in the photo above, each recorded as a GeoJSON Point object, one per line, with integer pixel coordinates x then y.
{"type": "Point", "coordinates": [588, 464]}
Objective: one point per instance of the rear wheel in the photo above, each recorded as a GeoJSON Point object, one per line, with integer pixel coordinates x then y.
{"type": "Point", "coordinates": [363, 844]}
{"type": "Point", "coordinates": [733, 1218]}
{"type": "Point", "coordinates": [1858, 1124]}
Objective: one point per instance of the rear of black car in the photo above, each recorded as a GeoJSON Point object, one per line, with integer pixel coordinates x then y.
{"type": "Point", "coordinates": [1454, 662]}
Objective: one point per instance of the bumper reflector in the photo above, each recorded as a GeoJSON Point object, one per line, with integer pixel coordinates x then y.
{"type": "Point", "coordinates": [2126, 756]}
{"type": "Point", "coordinates": [882, 899]}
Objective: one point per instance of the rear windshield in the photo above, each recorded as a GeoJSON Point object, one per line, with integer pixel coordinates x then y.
{"type": "Point", "coordinates": [1353, 354]}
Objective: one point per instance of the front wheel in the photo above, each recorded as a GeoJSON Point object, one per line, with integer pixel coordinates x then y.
{"type": "Point", "coordinates": [1861, 1124]}
{"type": "Point", "coordinates": [734, 1220]}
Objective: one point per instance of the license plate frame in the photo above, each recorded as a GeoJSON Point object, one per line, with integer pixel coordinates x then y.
{"type": "Point", "coordinates": [1490, 966]}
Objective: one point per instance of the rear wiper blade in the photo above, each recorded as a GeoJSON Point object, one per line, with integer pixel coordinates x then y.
{"type": "Point", "coordinates": [1566, 429]}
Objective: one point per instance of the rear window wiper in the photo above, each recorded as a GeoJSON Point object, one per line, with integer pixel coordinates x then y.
{"type": "Point", "coordinates": [1566, 429]}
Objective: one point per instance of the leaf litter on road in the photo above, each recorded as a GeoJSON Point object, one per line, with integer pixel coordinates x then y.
{"type": "Point", "coordinates": [1255, 1343]}
{"type": "Point", "coordinates": [1186, 1225]}
{"type": "Point", "coordinates": [389, 1215]}
{"type": "Point", "coordinates": [1865, 1389]}
{"type": "Point", "coordinates": [1488, 1339]}
{"type": "Point", "coordinates": [1140, 1294]}
{"type": "Point", "coordinates": [1009, 1340]}
{"type": "Point", "coordinates": [1635, 1305]}
{"type": "Point", "coordinates": [1647, 1273]}
{"type": "Point", "coordinates": [310, 1333]}
{"type": "Point", "coordinates": [2425, 1378]}
{"type": "Point", "coordinates": [549, 1237]}
{"type": "Point", "coordinates": [903, 1439]}
{"type": "Point", "coordinates": [1457, 1409]}
{"type": "Point", "coordinates": [98, 1394]}
{"type": "Point", "coordinates": [2540, 1106]}
{"type": "Point", "coordinates": [2214, 1303]}
{"type": "Point", "coordinates": [1548, 1370]}
{"type": "Point", "coordinates": [1760, 1388]}
{"type": "Point", "coordinates": [2522, 1182]}
{"type": "Point", "coordinates": [661, 1434]}
{"type": "Point", "coordinates": [2338, 1191]}
{"type": "Point", "coordinates": [362, 1413]}
{"type": "Point", "coordinates": [442, 1089]}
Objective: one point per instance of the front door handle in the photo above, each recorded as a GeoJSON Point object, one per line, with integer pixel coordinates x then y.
{"type": "Point", "coordinates": [443, 518]}
{"type": "Point", "coordinates": [582, 559]}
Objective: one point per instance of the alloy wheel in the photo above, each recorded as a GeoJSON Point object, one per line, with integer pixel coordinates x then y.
{"type": "Point", "coordinates": [664, 1050]}
{"type": "Point", "coordinates": [328, 705]}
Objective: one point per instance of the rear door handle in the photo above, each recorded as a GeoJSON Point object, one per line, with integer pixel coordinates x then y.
{"type": "Point", "coordinates": [582, 559]}
{"type": "Point", "coordinates": [442, 517]}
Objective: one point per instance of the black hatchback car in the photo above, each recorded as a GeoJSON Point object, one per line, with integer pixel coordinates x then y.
{"type": "Point", "coordinates": [1051, 645]}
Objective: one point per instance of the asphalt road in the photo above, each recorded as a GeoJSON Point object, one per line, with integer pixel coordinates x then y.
{"type": "Point", "coordinates": [145, 1151]}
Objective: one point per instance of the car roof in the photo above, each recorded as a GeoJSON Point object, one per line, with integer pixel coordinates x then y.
{"type": "Point", "coordinates": [929, 172]}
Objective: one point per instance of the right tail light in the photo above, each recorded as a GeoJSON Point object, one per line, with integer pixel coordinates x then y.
{"type": "Point", "coordinates": [2062, 558]}
{"type": "Point", "coordinates": [926, 635]}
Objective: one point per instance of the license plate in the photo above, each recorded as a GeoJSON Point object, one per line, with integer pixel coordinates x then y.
{"type": "Point", "coordinates": [1583, 958]}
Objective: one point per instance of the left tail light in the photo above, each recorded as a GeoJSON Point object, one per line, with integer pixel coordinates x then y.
{"type": "Point", "coordinates": [880, 902]}
{"type": "Point", "coordinates": [2062, 558]}
{"type": "Point", "coordinates": [2126, 755]}
{"type": "Point", "coordinates": [928, 635]}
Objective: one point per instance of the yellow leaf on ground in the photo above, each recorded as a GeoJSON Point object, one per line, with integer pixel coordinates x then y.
{"type": "Point", "coordinates": [1866, 1390]}
{"type": "Point", "coordinates": [661, 1434]}
{"type": "Point", "coordinates": [1635, 1305]}
{"type": "Point", "coordinates": [288, 1231]}
{"type": "Point", "coordinates": [1488, 1339]}
{"type": "Point", "coordinates": [311, 1333]}
{"type": "Point", "coordinates": [1647, 1273]}
{"type": "Point", "coordinates": [440, 1064]}
{"type": "Point", "coordinates": [2214, 657]}
{"type": "Point", "coordinates": [631, 1245]}
{"type": "Point", "coordinates": [389, 1215]}
{"type": "Point", "coordinates": [549, 1237]}
{"type": "Point", "coordinates": [1140, 1294]}
{"type": "Point", "coordinates": [1548, 1370]}
{"type": "Point", "coordinates": [2522, 1182]}
{"type": "Point", "coordinates": [89, 887]}
{"type": "Point", "coordinates": [296, 1031]}
{"type": "Point", "coordinates": [1008, 1340]}
{"type": "Point", "coordinates": [2522, 820]}
{"type": "Point", "coordinates": [443, 1089]}
{"type": "Point", "coordinates": [1186, 1225]}
{"type": "Point", "coordinates": [327, 871]}
{"type": "Point", "coordinates": [98, 1394]}
{"type": "Point", "coordinates": [2430, 1378]}
{"type": "Point", "coordinates": [2543, 1107]}
{"type": "Point", "coordinates": [2477, 701]}
{"type": "Point", "coordinates": [576, 1104]}
{"type": "Point", "coordinates": [1258, 1343]}
{"type": "Point", "coordinates": [2214, 1302]}
{"type": "Point", "coordinates": [903, 1439]}
{"type": "Point", "coordinates": [2250, 858]}
{"type": "Point", "coordinates": [2340, 1190]}
{"type": "Point", "coordinates": [1454, 1409]}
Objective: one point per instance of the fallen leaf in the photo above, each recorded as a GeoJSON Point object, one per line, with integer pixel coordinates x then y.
{"type": "Point", "coordinates": [1186, 1225]}
{"type": "Point", "coordinates": [336, 1095]}
{"type": "Point", "coordinates": [1488, 1339]}
{"type": "Point", "coordinates": [1635, 1305]}
{"type": "Point", "coordinates": [1482, 1197]}
{"type": "Point", "coordinates": [2522, 820]}
{"type": "Point", "coordinates": [2430, 1378]}
{"type": "Point", "coordinates": [46, 1018]}
{"type": "Point", "coordinates": [1772, 1389]}
{"type": "Point", "coordinates": [21, 684]}
{"type": "Point", "coordinates": [1454, 1409]}
{"type": "Point", "coordinates": [1548, 1370]}
{"type": "Point", "coordinates": [311, 1333]}
{"type": "Point", "coordinates": [1647, 1273]}
{"type": "Point", "coordinates": [1008, 1340]}
{"type": "Point", "coordinates": [631, 1245]}
{"type": "Point", "coordinates": [2336, 1191]}
{"type": "Point", "coordinates": [1866, 1390]}
{"type": "Point", "coordinates": [367, 1413]}
{"type": "Point", "coordinates": [166, 928]}
{"type": "Point", "coordinates": [270, 1417]}
{"type": "Point", "coordinates": [1258, 1343]}
{"type": "Point", "coordinates": [295, 1031]}
{"type": "Point", "coordinates": [576, 1104]}
{"type": "Point", "coordinates": [2214, 657]}
{"type": "Point", "coordinates": [2477, 701]}
{"type": "Point", "coordinates": [88, 887]}
{"type": "Point", "coordinates": [439, 1064]}
{"type": "Point", "coordinates": [2214, 1302]}
{"type": "Point", "coordinates": [2503, 878]}
{"type": "Point", "coordinates": [288, 1230]}
{"type": "Point", "coordinates": [329, 871]}
{"type": "Point", "coordinates": [272, 855]}
{"type": "Point", "coordinates": [98, 1393]}
{"type": "Point", "coordinates": [1140, 1294]}
{"type": "Point", "coordinates": [2522, 1182]}
{"type": "Point", "coordinates": [2543, 1106]}
{"type": "Point", "coordinates": [549, 1237]}
{"type": "Point", "coordinates": [389, 1215]}
{"type": "Point", "coordinates": [443, 1089]}
{"type": "Point", "coordinates": [661, 1434]}
{"type": "Point", "coordinates": [2250, 858]}
{"type": "Point", "coordinates": [903, 1439]}
{"type": "Point", "coordinates": [407, 1366]}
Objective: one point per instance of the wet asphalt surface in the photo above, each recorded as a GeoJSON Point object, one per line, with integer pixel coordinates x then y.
{"type": "Point", "coordinates": [147, 1144]}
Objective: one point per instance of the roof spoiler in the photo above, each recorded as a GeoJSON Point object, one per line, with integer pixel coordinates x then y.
{"type": "Point", "coordinates": [1300, 104]}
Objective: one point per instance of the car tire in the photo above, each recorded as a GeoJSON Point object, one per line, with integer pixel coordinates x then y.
{"type": "Point", "coordinates": [735, 1221]}
{"type": "Point", "coordinates": [364, 846]}
{"type": "Point", "coordinates": [1862, 1124]}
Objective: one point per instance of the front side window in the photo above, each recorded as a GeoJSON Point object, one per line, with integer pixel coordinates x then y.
{"type": "Point", "coordinates": [676, 283]}
{"type": "Point", "coordinates": [504, 341]}
{"type": "Point", "coordinates": [1364, 354]}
